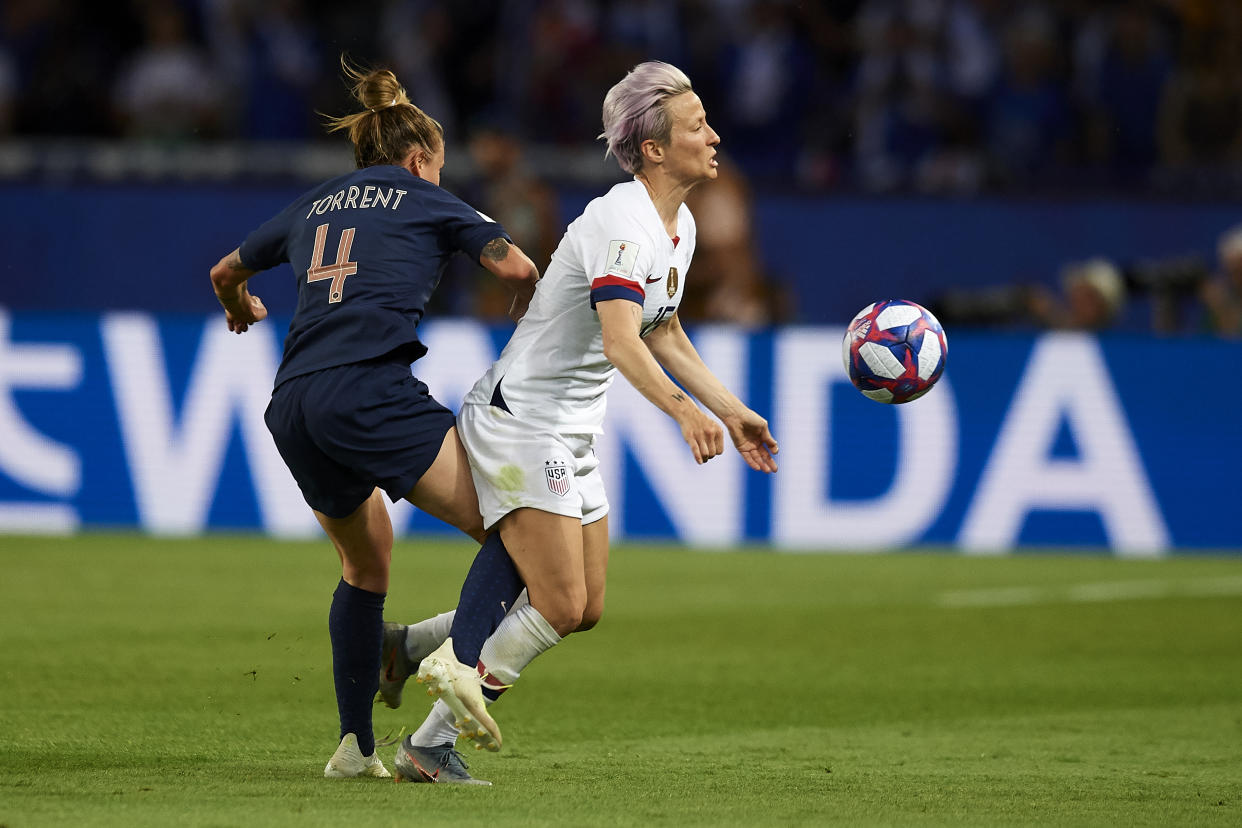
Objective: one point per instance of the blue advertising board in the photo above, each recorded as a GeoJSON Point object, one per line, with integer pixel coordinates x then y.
{"type": "Point", "coordinates": [157, 241]}
{"type": "Point", "coordinates": [1130, 444]}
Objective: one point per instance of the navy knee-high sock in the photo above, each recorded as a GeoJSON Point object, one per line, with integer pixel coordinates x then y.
{"type": "Point", "coordinates": [356, 627]}
{"type": "Point", "coordinates": [491, 587]}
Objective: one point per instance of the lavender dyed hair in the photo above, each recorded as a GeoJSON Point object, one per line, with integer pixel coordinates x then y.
{"type": "Point", "coordinates": [635, 110]}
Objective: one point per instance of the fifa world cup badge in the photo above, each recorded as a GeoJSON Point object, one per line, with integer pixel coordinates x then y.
{"type": "Point", "coordinates": [672, 282]}
{"type": "Point", "coordinates": [557, 476]}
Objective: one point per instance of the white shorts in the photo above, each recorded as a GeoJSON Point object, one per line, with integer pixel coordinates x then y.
{"type": "Point", "coordinates": [517, 464]}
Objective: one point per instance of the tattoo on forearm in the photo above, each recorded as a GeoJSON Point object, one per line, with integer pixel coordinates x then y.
{"type": "Point", "coordinates": [680, 397]}
{"type": "Point", "coordinates": [496, 250]}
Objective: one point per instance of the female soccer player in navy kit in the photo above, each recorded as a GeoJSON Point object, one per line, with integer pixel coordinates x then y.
{"type": "Point", "coordinates": [349, 419]}
{"type": "Point", "coordinates": [607, 303]}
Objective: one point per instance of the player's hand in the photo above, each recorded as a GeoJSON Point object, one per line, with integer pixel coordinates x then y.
{"type": "Point", "coordinates": [753, 441]}
{"type": "Point", "coordinates": [703, 434]}
{"type": "Point", "coordinates": [245, 313]}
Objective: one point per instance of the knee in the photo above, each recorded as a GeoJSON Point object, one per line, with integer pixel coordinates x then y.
{"type": "Point", "coordinates": [374, 554]}
{"type": "Point", "coordinates": [370, 575]}
{"type": "Point", "coordinates": [370, 565]}
{"type": "Point", "coordinates": [590, 617]}
{"type": "Point", "coordinates": [565, 622]}
{"type": "Point", "coordinates": [563, 614]}
{"type": "Point", "coordinates": [377, 566]}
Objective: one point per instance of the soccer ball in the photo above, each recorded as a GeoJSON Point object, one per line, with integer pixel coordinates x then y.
{"type": "Point", "coordinates": [894, 351]}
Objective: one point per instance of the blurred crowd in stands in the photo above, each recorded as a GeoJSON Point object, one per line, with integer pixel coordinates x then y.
{"type": "Point", "coordinates": [1174, 296]}
{"type": "Point", "coordinates": [938, 97]}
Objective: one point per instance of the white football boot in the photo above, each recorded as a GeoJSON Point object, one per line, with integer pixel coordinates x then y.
{"type": "Point", "coordinates": [461, 687]}
{"type": "Point", "coordinates": [349, 763]}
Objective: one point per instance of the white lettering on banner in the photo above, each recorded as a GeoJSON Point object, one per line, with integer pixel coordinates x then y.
{"type": "Point", "coordinates": [175, 466]}
{"type": "Point", "coordinates": [38, 518]}
{"type": "Point", "coordinates": [458, 353]}
{"type": "Point", "coordinates": [1065, 378]}
{"type": "Point", "coordinates": [808, 369]}
{"type": "Point", "coordinates": [27, 456]}
{"type": "Point", "coordinates": [703, 503]}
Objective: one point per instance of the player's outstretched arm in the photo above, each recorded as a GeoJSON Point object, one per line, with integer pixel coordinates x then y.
{"type": "Point", "coordinates": [621, 321]}
{"type": "Point", "coordinates": [515, 269]}
{"type": "Point", "coordinates": [241, 310]}
{"type": "Point", "coordinates": [752, 439]}
{"type": "Point", "coordinates": [676, 354]}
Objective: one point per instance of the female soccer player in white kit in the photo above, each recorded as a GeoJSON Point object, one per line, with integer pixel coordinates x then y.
{"type": "Point", "coordinates": [607, 302]}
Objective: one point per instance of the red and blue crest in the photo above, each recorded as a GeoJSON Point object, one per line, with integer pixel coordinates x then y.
{"type": "Point", "coordinates": [557, 475]}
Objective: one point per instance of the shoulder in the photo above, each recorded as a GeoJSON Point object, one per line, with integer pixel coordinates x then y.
{"type": "Point", "coordinates": [446, 200]}
{"type": "Point", "coordinates": [432, 197]}
{"type": "Point", "coordinates": [315, 193]}
{"type": "Point", "coordinates": [335, 183]}
{"type": "Point", "coordinates": [625, 208]}
{"type": "Point", "coordinates": [628, 196]}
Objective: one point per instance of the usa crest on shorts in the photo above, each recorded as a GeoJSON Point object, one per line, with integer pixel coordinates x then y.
{"type": "Point", "coordinates": [557, 475]}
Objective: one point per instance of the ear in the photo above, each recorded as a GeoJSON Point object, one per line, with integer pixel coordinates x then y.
{"type": "Point", "coordinates": [652, 151]}
{"type": "Point", "coordinates": [415, 161]}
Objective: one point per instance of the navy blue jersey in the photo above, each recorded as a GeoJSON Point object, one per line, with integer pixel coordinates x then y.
{"type": "Point", "coordinates": [367, 250]}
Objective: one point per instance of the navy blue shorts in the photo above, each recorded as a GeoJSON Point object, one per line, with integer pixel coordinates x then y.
{"type": "Point", "coordinates": [343, 431]}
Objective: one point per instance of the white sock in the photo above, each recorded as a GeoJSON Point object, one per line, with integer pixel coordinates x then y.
{"type": "Point", "coordinates": [437, 729]}
{"type": "Point", "coordinates": [423, 638]}
{"type": "Point", "coordinates": [522, 635]}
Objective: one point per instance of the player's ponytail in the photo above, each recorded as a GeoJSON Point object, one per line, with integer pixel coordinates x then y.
{"type": "Point", "coordinates": [389, 125]}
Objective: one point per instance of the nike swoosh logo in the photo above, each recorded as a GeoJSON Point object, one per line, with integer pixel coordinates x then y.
{"type": "Point", "coordinates": [653, 279]}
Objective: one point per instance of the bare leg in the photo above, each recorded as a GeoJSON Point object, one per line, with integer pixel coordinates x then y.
{"type": "Point", "coordinates": [446, 490]}
{"type": "Point", "coordinates": [363, 540]}
{"type": "Point", "coordinates": [547, 550]}
{"type": "Point", "coordinates": [595, 565]}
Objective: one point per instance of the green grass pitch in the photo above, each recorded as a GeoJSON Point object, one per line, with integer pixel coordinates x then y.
{"type": "Point", "coordinates": [187, 682]}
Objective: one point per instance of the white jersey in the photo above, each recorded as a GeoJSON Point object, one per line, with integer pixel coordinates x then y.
{"type": "Point", "coordinates": [553, 371]}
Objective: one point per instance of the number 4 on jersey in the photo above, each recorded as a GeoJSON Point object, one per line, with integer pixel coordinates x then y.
{"type": "Point", "coordinates": [336, 272]}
